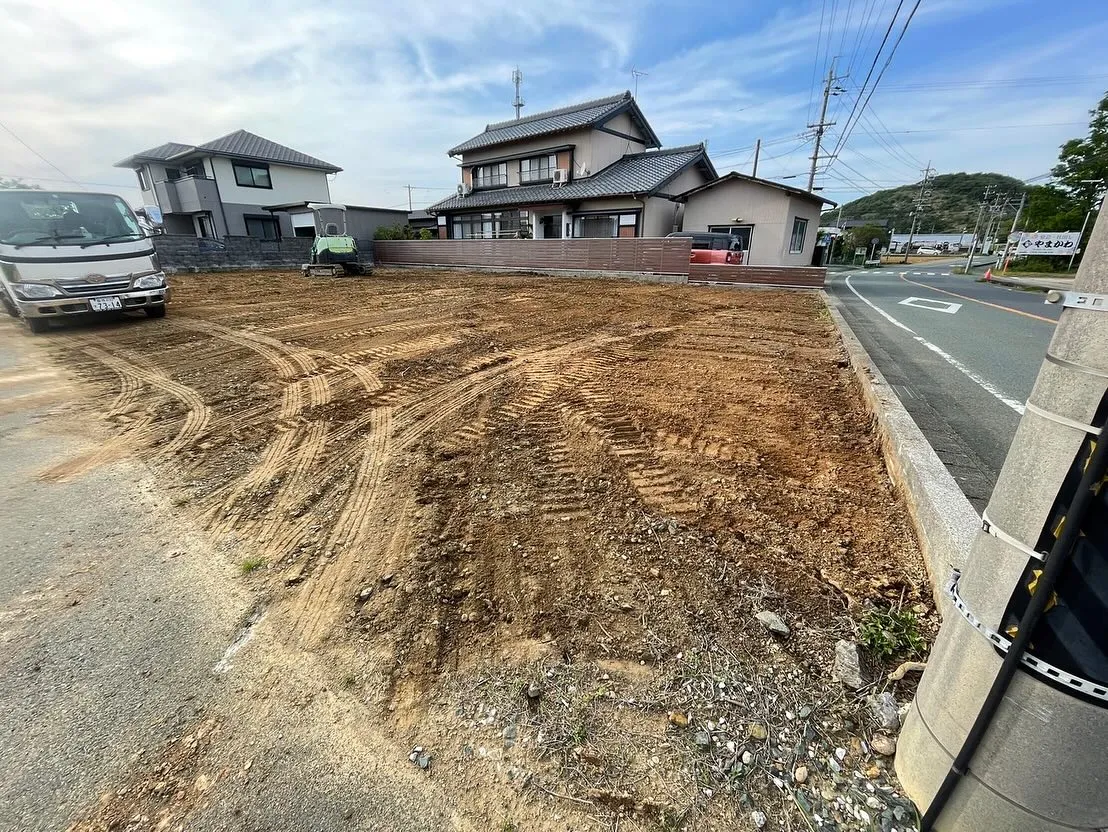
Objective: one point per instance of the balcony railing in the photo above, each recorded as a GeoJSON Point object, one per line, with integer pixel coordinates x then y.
{"type": "Point", "coordinates": [536, 175]}
{"type": "Point", "coordinates": [496, 180]}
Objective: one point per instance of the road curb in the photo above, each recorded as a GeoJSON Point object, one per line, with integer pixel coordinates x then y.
{"type": "Point", "coordinates": [945, 522]}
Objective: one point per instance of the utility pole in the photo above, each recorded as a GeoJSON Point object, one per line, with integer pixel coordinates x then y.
{"type": "Point", "coordinates": [921, 200]}
{"type": "Point", "coordinates": [822, 124]}
{"type": "Point", "coordinates": [1084, 225]}
{"type": "Point", "coordinates": [517, 79]}
{"type": "Point", "coordinates": [1015, 222]}
{"type": "Point", "coordinates": [757, 153]}
{"type": "Point", "coordinates": [1008, 727]}
{"type": "Point", "coordinates": [409, 187]}
{"type": "Point", "coordinates": [976, 228]}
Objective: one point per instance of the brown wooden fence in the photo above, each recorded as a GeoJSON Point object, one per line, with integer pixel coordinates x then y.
{"type": "Point", "coordinates": [806, 277]}
{"type": "Point", "coordinates": [648, 255]}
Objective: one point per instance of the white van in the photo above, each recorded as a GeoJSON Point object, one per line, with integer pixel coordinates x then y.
{"type": "Point", "coordinates": [65, 254]}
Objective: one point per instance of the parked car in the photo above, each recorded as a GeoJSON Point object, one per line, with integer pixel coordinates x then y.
{"type": "Point", "coordinates": [65, 254]}
{"type": "Point", "coordinates": [927, 250]}
{"type": "Point", "coordinates": [713, 247]}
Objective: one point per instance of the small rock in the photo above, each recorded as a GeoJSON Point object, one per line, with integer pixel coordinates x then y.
{"type": "Point", "coordinates": [364, 594]}
{"type": "Point", "coordinates": [772, 622]}
{"type": "Point", "coordinates": [510, 733]}
{"type": "Point", "coordinates": [840, 754]}
{"type": "Point", "coordinates": [848, 667]}
{"type": "Point", "coordinates": [535, 690]}
{"type": "Point", "coordinates": [424, 761]}
{"type": "Point", "coordinates": [757, 731]}
{"type": "Point", "coordinates": [884, 709]}
{"type": "Point", "coordinates": [664, 593]}
{"type": "Point", "coordinates": [873, 802]}
{"type": "Point", "coordinates": [387, 578]}
{"type": "Point", "coordinates": [873, 772]}
{"type": "Point", "coordinates": [702, 740]}
{"type": "Point", "coordinates": [655, 572]}
{"type": "Point", "coordinates": [759, 818]}
{"type": "Point", "coordinates": [801, 774]}
{"type": "Point", "coordinates": [678, 719]}
{"type": "Point", "coordinates": [883, 745]}
{"type": "Point", "coordinates": [748, 758]}
{"type": "Point", "coordinates": [805, 712]}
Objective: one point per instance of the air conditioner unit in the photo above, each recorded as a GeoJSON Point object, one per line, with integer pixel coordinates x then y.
{"type": "Point", "coordinates": [561, 176]}
{"type": "Point", "coordinates": [465, 189]}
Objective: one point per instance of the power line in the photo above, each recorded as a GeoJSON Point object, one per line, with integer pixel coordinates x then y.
{"type": "Point", "coordinates": [991, 127]}
{"type": "Point", "coordinates": [815, 60]}
{"type": "Point", "coordinates": [51, 164]}
{"type": "Point", "coordinates": [74, 181]}
{"type": "Point", "coordinates": [850, 127]}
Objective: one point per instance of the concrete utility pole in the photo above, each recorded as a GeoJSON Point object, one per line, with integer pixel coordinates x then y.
{"type": "Point", "coordinates": [517, 79]}
{"type": "Point", "coordinates": [976, 228]}
{"type": "Point", "coordinates": [921, 201]}
{"type": "Point", "coordinates": [1093, 205]}
{"type": "Point", "coordinates": [757, 153]}
{"type": "Point", "coordinates": [822, 124]}
{"type": "Point", "coordinates": [1009, 726]}
{"type": "Point", "coordinates": [409, 187]}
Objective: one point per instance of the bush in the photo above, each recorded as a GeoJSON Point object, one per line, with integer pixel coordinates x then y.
{"type": "Point", "coordinates": [425, 234]}
{"type": "Point", "coordinates": [889, 633]}
{"type": "Point", "coordinates": [400, 231]}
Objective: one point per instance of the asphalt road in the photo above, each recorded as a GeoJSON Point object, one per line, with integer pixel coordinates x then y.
{"type": "Point", "coordinates": [962, 355]}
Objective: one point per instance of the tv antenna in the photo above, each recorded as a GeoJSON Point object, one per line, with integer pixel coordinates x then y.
{"type": "Point", "coordinates": [636, 74]}
{"type": "Point", "coordinates": [517, 79]}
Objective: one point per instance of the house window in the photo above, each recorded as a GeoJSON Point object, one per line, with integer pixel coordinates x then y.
{"type": "Point", "coordinates": [486, 226]}
{"type": "Point", "coordinates": [490, 176]}
{"type": "Point", "coordinates": [744, 232]}
{"type": "Point", "coordinates": [204, 225]}
{"type": "Point", "coordinates": [605, 225]}
{"type": "Point", "coordinates": [796, 242]}
{"type": "Point", "coordinates": [143, 184]}
{"type": "Point", "coordinates": [262, 227]}
{"type": "Point", "coordinates": [252, 175]}
{"type": "Point", "coordinates": [194, 169]}
{"type": "Point", "coordinates": [538, 169]}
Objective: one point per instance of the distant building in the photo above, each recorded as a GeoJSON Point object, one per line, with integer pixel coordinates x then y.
{"type": "Point", "coordinates": [943, 242]}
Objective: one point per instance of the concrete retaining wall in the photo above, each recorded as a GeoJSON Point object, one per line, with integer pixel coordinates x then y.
{"type": "Point", "coordinates": [184, 252]}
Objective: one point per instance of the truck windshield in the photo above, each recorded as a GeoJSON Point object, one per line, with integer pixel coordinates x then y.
{"type": "Point", "coordinates": [64, 219]}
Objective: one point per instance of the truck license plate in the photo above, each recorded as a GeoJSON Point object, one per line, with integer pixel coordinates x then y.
{"type": "Point", "coordinates": [104, 304]}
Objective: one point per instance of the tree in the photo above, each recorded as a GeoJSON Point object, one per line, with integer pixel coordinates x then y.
{"type": "Point", "coordinates": [863, 237]}
{"type": "Point", "coordinates": [400, 231]}
{"type": "Point", "coordinates": [1086, 159]}
{"type": "Point", "coordinates": [9, 184]}
{"type": "Point", "coordinates": [1049, 208]}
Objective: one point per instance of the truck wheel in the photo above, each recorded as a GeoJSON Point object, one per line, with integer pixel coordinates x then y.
{"type": "Point", "coordinates": [155, 311]}
{"type": "Point", "coordinates": [37, 325]}
{"type": "Point", "coordinates": [6, 302]}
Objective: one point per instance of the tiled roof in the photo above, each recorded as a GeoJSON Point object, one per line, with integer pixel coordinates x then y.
{"type": "Point", "coordinates": [160, 153]}
{"type": "Point", "coordinates": [554, 121]}
{"type": "Point", "coordinates": [241, 144]}
{"type": "Point", "coordinates": [635, 173]}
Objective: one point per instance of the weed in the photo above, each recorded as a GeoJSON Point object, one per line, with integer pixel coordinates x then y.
{"type": "Point", "coordinates": [507, 825]}
{"type": "Point", "coordinates": [888, 633]}
{"type": "Point", "coordinates": [349, 681]}
{"type": "Point", "coordinates": [251, 563]}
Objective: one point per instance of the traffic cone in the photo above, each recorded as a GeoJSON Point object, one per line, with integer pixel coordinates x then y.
{"type": "Point", "coordinates": [989, 275]}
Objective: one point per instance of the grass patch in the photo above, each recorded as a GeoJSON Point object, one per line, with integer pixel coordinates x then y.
{"type": "Point", "coordinates": [251, 563]}
{"type": "Point", "coordinates": [891, 633]}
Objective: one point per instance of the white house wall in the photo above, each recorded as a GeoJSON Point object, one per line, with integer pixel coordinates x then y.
{"type": "Point", "coordinates": [686, 180]}
{"type": "Point", "coordinates": [806, 209]}
{"type": "Point", "coordinates": [659, 217]}
{"type": "Point", "coordinates": [289, 185]}
{"type": "Point", "coordinates": [602, 148]}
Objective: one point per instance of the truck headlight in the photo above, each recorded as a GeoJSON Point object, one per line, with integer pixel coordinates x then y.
{"type": "Point", "coordinates": [35, 291]}
{"type": "Point", "coordinates": [151, 281]}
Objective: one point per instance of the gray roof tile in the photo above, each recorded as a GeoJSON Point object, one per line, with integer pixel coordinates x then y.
{"type": "Point", "coordinates": [550, 121]}
{"type": "Point", "coordinates": [248, 145]}
{"type": "Point", "coordinates": [635, 173]}
{"type": "Point", "coordinates": [240, 143]}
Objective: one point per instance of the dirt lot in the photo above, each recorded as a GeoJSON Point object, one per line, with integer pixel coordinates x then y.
{"type": "Point", "coordinates": [529, 523]}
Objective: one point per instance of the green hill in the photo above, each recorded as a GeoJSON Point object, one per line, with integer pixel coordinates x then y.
{"type": "Point", "coordinates": [952, 207]}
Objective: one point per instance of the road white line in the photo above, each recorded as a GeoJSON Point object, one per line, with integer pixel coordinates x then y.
{"type": "Point", "coordinates": [984, 384]}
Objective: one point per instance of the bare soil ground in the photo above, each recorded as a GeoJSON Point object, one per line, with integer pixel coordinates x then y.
{"type": "Point", "coordinates": [462, 489]}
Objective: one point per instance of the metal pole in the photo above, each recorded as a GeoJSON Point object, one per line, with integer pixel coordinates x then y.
{"type": "Point", "coordinates": [757, 153]}
{"type": "Point", "coordinates": [1084, 225]}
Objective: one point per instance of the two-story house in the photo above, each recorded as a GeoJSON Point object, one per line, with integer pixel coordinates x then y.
{"type": "Point", "coordinates": [594, 169]}
{"type": "Point", "coordinates": [234, 185]}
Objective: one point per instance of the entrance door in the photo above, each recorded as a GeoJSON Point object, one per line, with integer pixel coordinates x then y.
{"type": "Point", "coordinates": [551, 226]}
{"type": "Point", "coordinates": [204, 225]}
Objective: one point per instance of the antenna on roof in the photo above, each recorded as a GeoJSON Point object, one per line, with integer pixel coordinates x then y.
{"type": "Point", "coordinates": [517, 79]}
{"type": "Point", "coordinates": [635, 75]}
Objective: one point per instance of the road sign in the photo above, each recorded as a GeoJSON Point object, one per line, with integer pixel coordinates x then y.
{"type": "Point", "coordinates": [1047, 243]}
{"type": "Point", "coordinates": [860, 250]}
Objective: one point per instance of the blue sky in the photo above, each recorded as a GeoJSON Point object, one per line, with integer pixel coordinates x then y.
{"type": "Point", "coordinates": [383, 89]}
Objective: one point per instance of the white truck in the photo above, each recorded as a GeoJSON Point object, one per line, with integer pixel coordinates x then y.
{"type": "Point", "coordinates": [65, 254]}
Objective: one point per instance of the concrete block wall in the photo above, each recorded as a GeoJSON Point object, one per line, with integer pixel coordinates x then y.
{"type": "Point", "coordinates": [182, 252]}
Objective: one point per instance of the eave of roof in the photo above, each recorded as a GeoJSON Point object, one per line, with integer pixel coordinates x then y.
{"type": "Point", "coordinates": [742, 177]}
